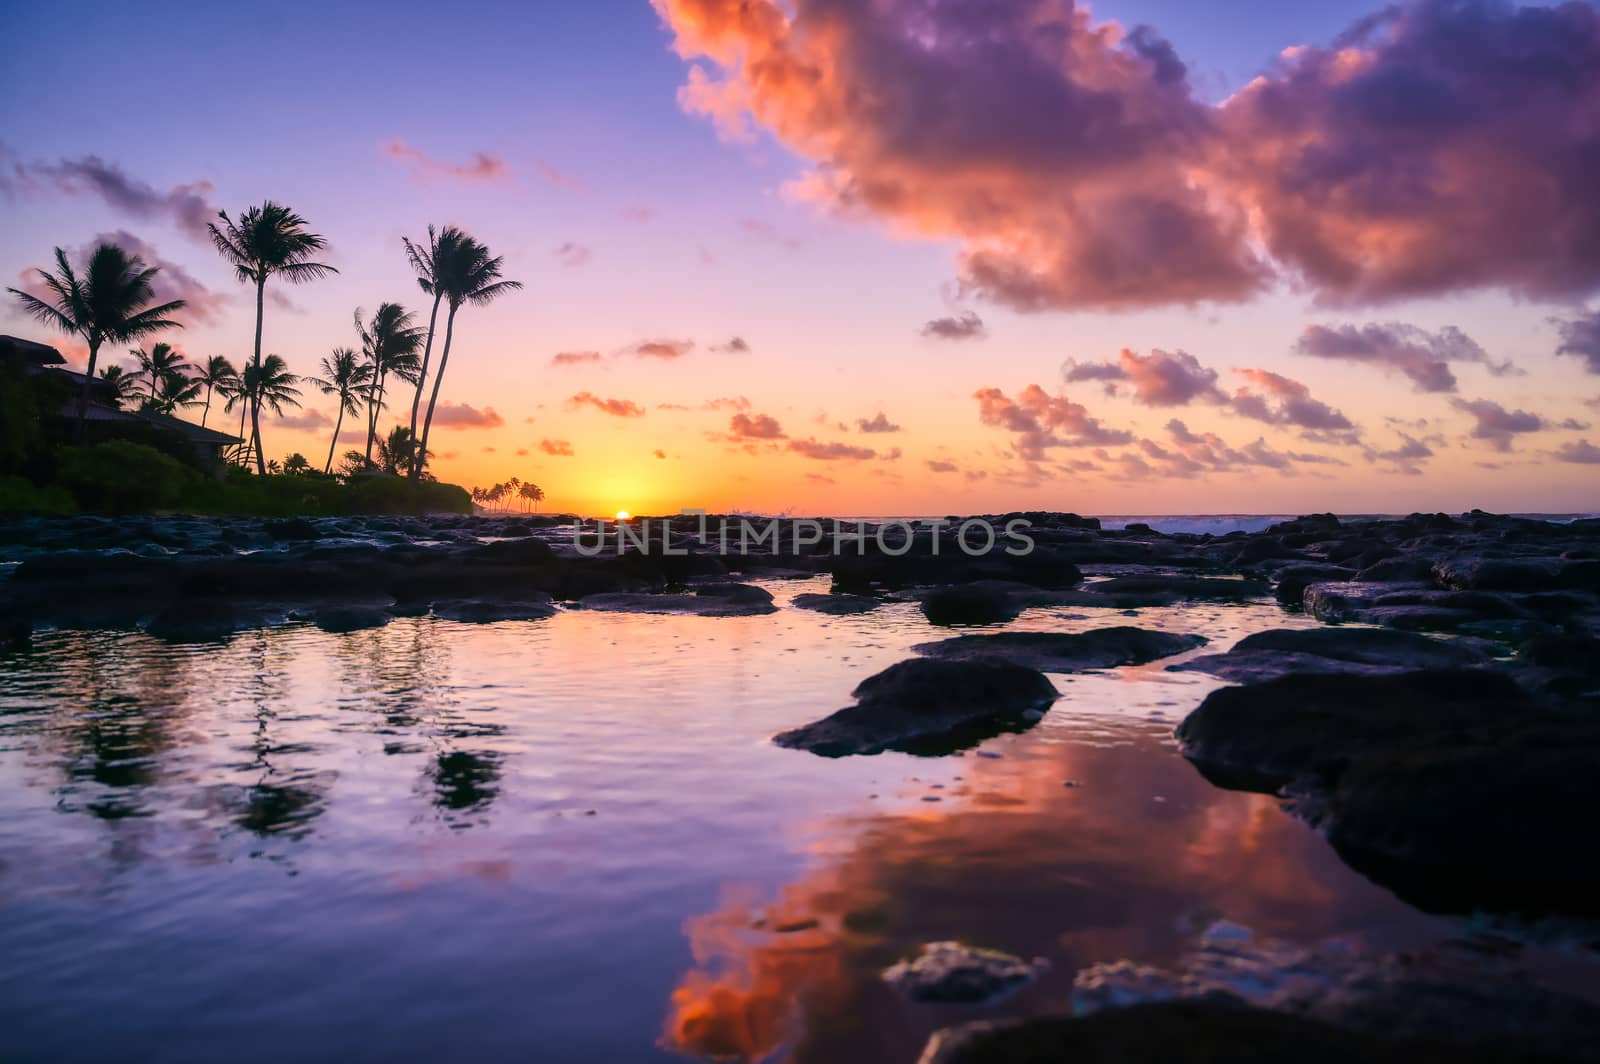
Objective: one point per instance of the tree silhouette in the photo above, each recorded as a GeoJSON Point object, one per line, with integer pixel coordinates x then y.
{"type": "Point", "coordinates": [430, 262]}
{"type": "Point", "coordinates": [467, 274]}
{"type": "Point", "coordinates": [269, 240]}
{"type": "Point", "coordinates": [218, 376]}
{"type": "Point", "coordinates": [267, 383]}
{"type": "Point", "coordinates": [119, 383]}
{"type": "Point", "coordinates": [390, 343]}
{"type": "Point", "coordinates": [111, 301]}
{"type": "Point", "coordinates": [344, 376]}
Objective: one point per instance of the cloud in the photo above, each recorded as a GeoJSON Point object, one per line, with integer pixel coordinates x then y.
{"type": "Point", "coordinates": [1497, 424]}
{"type": "Point", "coordinates": [966, 326]}
{"type": "Point", "coordinates": [461, 416]}
{"type": "Point", "coordinates": [1040, 421]}
{"type": "Point", "coordinates": [665, 349]}
{"type": "Point", "coordinates": [1581, 452]}
{"type": "Point", "coordinates": [831, 452]}
{"type": "Point", "coordinates": [937, 465]}
{"type": "Point", "coordinates": [307, 419]}
{"type": "Point", "coordinates": [555, 176]}
{"type": "Point", "coordinates": [732, 402]}
{"type": "Point", "coordinates": [1423, 357]}
{"type": "Point", "coordinates": [1406, 455]}
{"type": "Point", "coordinates": [1580, 338]}
{"type": "Point", "coordinates": [187, 206]}
{"type": "Point", "coordinates": [754, 427]}
{"type": "Point", "coordinates": [558, 448]}
{"type": "Point", "coordinates": [1286, 402]}
{"type": "Point", "coordinates": [1438, 146]}
{"type": "Point", "coordinates": [1058, 153]}
{"type": "Point", "coordinates": [1161, 378]}
{"type": "Point", "coordinates": [574, 358]}
{"type": "Point", "coordinates": [735, 346]}
{"type": "Point", "coordinates": [573, 255]}
{"type": "Point", "coordinates": [638, 214]}
{"type": "Point", "coordinates": [768, 233]}
{"type": "Point", "coordinates": [204, 305]}
{"type": "Point", "coordinates": [659, 453]}
{"type": "Point", "coordinates": [481, 166]}
{"type": "Point", "coordinates": [614, 407]}
{"type": "Point", "coordinates": [877, 423]}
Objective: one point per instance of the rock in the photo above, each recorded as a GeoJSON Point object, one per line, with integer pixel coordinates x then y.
{"type": "Point", "coordinates": [351, 618]}
{"type": "Point", "coordinates": [1162, 588]}
{"type": "Point", "coordinates": [1293, 580]}
{"type": "Point", "coordinates": [1101, 648]}
{"type": "Point", "coordinates": [1452, 788]}
{"type": "Point", "coordinates": [292, 528]}
{"type": "Point", "coordinates": [16, 633]}
{"type": "Point", "coordinates": [1338, 601]}
{"type": "Point", "coordinates": [837, 604]}
{"type": "Point", "coordinates": [1499, 574]}
{"type": "Point", "coordinates": [714, 605]}
{"type": "Point", "coordinates": [928, 706]}
{"type": "Point", "coordinates": [977, 603]}
{"type": "Point", "coordinates": [1398, 570]}
{"type": "Point", "coordinates": [478, 611]}
{"type": "Point", "coordinates": [952, 973]}
{"type": "Point", "coordinates": [196, 621]}
{"type": "Point", "coordinates": [1265, 655]}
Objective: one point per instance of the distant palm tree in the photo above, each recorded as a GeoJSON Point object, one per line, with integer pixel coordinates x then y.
{"type": "Point", "coordinates": [110, 302]}
{"type": "Point", "coordinates": [176, 389]}
{"type": "Point", "coordinates": [156, 365]}
{"type": "Point", "coordinates": [344, 376]}
{"type": "Point", "coordinates": [267, 383]}
{"type": "Point", "coordinates": [430, 263]}
{"type": "Point", "coordinates": [267, 240]}
{"type": "Point", "coordinates": [533, 493]}
{"type": "Point", "coordinates": [390, 343]}
{"type": "Point", "coordinates": [274, 467]}
{"type": "Point", "coordinates": [469, 274]}
{"type": "Point", "coordinates": [397, 451]}
{"type": "Point", "coordinates": [216, 375]}
{"type": "Point", "coordinates": [296, 464]}
{"type": "Point", "coordinates": [119, 383]}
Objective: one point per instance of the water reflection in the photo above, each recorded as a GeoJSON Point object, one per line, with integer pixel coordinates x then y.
{"type": "Point", "coordinates": [1131, 862]}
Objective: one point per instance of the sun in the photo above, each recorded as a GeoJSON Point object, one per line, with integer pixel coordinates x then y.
{"type": "Point", "coordinates": [623, 515]}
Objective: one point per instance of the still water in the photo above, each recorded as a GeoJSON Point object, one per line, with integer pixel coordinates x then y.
{"type": "Point", "coordinates": [570, 839]}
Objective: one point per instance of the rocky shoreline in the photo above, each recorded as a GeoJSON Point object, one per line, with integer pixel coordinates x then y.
{"type": "Point", "coordinates": [1442, 727]}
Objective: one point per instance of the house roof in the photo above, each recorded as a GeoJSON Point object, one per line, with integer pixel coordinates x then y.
{"type": "Point", "coordinates": [35, 352]}
{"type": "Point", "coordinates": [197, 433]}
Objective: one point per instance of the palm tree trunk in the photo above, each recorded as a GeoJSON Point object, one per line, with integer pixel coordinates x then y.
{"type": "Point", "coordinates": [373, 415]}
{"type": "Point", "coordinates": [207, 411]}
{"type": "Point", "coordinates": [433, 400]}
{"type": "Point", "coordinates": [83, 395]}
{"type": "Point", "coordinates": [255, 405]}
{"type": "Point", "coordinates": [255, 429]}
{"type": "Point", "coordinates": [337, 425]}
{"type": "Point", "coordinates": [422, 378]}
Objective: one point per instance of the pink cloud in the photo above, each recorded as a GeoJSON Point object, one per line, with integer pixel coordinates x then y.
{"type": "Point", "coordinates": [614, 407]}
{"type": "Point", "coordinates": [461, 416]}
{"type": "Point", "coordinates": [481, 166]}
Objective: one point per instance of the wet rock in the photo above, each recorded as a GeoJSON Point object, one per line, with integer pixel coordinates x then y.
{"type": "Point", "coordinates": [1265, 655]}
{"type": "Point", "coordinates": [351, 618]}
{"type": "Point", "coordinates": [198, 621]}
{"type": "Point", "coordinates": [1339, 601]}
{"type": "Point", "coordinates": [1400, 569]}
{"type": "Point", "coordinates": [1499, 574]}
{"type": "Point", "coordinates": [479, 611]}
{"type": "Point", "coordinates": [952, 973]}
{"type": "Point", "coordinates": [1293, 580]}
{"type": "Point", "coordinates": [725, 600]}
{"type": "Point", "coordinates": [1453, 788]}
{"type": "Point", "coordinates": [16, 633]}
{"type": "Point", "coordinates": [1160, 589]}
{"type": "Point", "coordinates": [292, 528]}
{"type": "Point", "coordinates": [837, 604]}
{"type": "Point", "coordinates": [929, 707]}
{"type": "Point", "coordinates": [977, 603]}
{"type": "Point", "coordinates": [1101, 648]}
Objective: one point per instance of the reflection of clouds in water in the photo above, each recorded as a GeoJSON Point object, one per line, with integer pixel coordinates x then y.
{"type": "Point", "coordinates": [1014, 860]}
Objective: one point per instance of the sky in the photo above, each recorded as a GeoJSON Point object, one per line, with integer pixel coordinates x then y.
{"type": "Point", "coordinates": [891, 257]}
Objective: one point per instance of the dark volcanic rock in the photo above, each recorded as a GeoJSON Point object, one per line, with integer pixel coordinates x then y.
{"type": "Point", "coordinates": [351, 618]}
{"type": "Point", "coordinates": [1101, 648]}
{"type": "Point", "coordinates": [478, 611]}
{"type": "Point", "coordinates": [713, 600]}
{"type": "Point", "coordinates": [1162, 588]}
{"type": "Point", "coordinates": [1265, 655]}
{"type": "Point", "coordinates": [198, 621]}
{"type": "Point", "coordinates": [837, 604]}
{"type": "Point", "coordinates": [1451, 787]}
{"type": "Point", "coordinates": [927, 706]}
{"type": "Point", "coordinates": [978, 603]}
{"type": "Point", "coordinates": [1293, 580]}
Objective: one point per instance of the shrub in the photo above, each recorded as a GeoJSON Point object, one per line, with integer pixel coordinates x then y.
{"type": "Point", "coordinates": [18, 496]}
{"type": "Point", "coordinates": [119, 476]}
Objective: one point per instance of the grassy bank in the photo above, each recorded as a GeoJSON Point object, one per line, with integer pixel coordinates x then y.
{"type": "Point", "coordinates": [123, 477]}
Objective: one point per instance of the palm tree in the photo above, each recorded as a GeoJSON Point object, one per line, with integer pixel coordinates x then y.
{"type": "Point", "coordinates": [119, 383]}
{"type": "Point", "coordinates": [110, 302]}
{"type": "Point", "coordinates": [430, 264]}
{"type": "Point", "coordinates": [390, 342]}
{"type": "Point", "coordinates": [469, 274]}
{"type": "Point", "coordinates": [267, 383]}
{"type": "Point", "coordinates": [216, 374]}
{"type": "Point", "coordinates": [156, 365]}
{"type": "Point", "coordinates": [342, 376]}
{"type": "Point", "coordinates": [296, 464]}
{"type": "Point", "coordinates": [533, 493]}
{"type": "Point", "coordinates": [397, 451]}
{"type": "Point", "coordinates": [267, 240]}
{"type": "Point", "coordinates": [177, 389]}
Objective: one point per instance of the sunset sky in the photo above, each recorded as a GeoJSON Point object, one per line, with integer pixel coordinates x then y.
{"type": "Point", "coordinates": [885, 256]}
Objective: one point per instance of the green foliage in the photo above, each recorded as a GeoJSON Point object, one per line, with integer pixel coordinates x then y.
{"type": "Point", "coordinates": [119, 476]}
{"type": "Point", "coordinates": [18, 496]}
{"type": "Point", "coordinates": [313, 494]}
